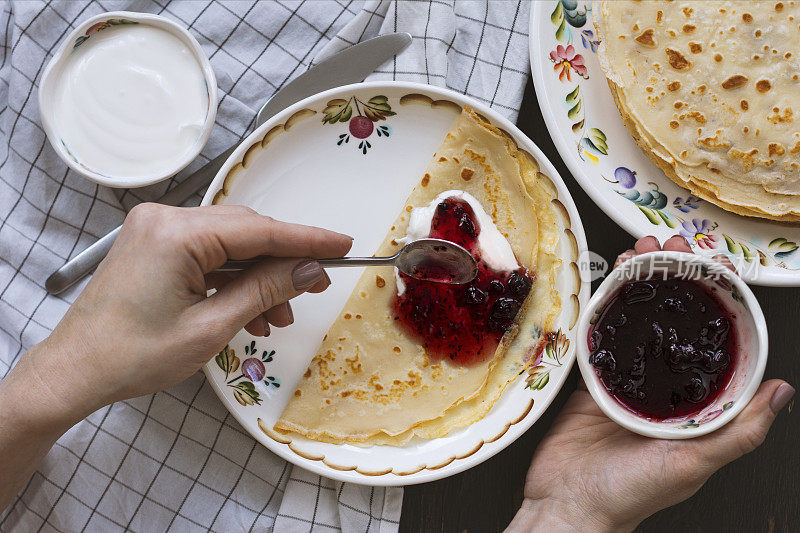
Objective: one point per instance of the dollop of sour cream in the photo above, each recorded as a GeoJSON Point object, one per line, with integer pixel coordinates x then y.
{"type": "Point", "coordinates": [494, 248]}
{"type": "Point", "coordinates": [130, 101]}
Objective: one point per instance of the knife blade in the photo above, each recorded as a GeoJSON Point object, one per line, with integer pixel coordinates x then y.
{"type": "Point", "coordinates": [351, 65]}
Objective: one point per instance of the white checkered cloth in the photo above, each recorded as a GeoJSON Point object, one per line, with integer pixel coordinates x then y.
{"type": "Point", "coordinates": [177, 459]}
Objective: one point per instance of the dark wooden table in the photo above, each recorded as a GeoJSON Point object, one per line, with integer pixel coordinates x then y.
{"type": "Point", "coordinates": [760, 492]}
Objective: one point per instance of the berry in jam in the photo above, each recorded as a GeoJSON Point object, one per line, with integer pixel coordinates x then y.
{"type": "Point", "coordinates": [663, 348]}
{"type": "Point", "coordinates": [461, 322]}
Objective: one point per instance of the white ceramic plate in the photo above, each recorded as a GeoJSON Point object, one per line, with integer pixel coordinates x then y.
{"type": "Point", "coordinates": [300, 169]}
{"type": "Point", "coordinates": [597, 148]}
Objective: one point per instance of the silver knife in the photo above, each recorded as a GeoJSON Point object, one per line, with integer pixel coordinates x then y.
{"type": "Point", "coordinates": [348, 66]}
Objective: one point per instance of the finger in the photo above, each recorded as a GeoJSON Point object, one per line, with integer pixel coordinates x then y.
{"type": "Point", "coordinates": [280, 316]}
{"type": "Point", "coordinates": [725, 260]}
{"type": "Point", "coordinates": [748, 430]}
{"type": "Point", "coordinates": [250, 234]}
{"type": "Point", "coordinates": [258, 327]}
{"type": "Point", "coordinates": [624, 256]}
{"type": "Point", "coordinates": [321, 285]}
{"type": "Point", "coordinates": [270, 283]}
{"type": "Point", "coordinates": [647, 244]}
{"type": "Point", "coordinates": [677, 243]}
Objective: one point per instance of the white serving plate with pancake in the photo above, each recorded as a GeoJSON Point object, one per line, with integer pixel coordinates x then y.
{"type": "Point", "coordinates": [599, 151]}
{"type": "Point", "coordinates": [299, 169]}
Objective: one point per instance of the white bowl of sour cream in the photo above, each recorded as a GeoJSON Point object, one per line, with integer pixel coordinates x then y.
{"type": "Point", "coordinates": [129, 99]}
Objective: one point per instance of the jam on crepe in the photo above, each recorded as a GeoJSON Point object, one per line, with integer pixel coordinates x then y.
{"type": "Point", "coordinates": [663, 348]}
{"type": "Point", "coordinates": [462, 322]}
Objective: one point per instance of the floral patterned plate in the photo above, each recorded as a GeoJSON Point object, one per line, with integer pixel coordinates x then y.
{"type": "Point", "coordinates": [587, 130]}
{"type": "Point", "coordinates": [347, 159]}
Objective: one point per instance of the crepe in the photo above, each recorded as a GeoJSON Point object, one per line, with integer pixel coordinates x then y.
{"type": "Point", "coordinates": [710, 91]}
{"type": "Point", "coordinates": [370, 382]}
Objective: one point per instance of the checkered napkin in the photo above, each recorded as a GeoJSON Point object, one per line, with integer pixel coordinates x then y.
{"type": "Point", "coordinates": [177, 459]}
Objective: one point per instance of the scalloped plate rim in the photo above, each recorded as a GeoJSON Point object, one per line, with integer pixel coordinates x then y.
{"type": "Point", "coordinates": [514, 429]}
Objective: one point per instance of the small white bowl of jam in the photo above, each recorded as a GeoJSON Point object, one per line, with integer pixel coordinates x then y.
{"type": "Point", "coordinates": [674, 345]}
{"type": "Point", "coordinates": [129, 99]}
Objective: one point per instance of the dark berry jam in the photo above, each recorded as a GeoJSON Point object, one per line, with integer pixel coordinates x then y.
{"type": "Point", "coordinates": [664, 348]}
{"type": "Point", "coordinates": [462, 322]}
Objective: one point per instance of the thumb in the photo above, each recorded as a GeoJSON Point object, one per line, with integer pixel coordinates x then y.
{"type": "Point", "coordinates": [747, 431]}
{"type": "Point", "coordinates": [270, 283]}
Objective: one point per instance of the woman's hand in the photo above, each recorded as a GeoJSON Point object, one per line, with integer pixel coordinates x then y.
{"type": "Point", "coordinates": [143, 323]}
{"type": "Point", "coordinates": [590, 474]}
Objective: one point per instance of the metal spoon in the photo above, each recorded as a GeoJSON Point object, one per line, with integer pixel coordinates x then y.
{"type": "Point", "coordinates": [425, 259]}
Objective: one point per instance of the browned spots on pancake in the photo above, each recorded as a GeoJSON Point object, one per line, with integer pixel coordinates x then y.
{"type": "Point", "coordinates": [777, 117]}
{"type": "Point", "coordinates": [394, 243]}
{"type": "Point", "coordinates": [763, 86]}
{"type": "Point", "coordinates": [734, 81]}
{"type": "Point", "coordinates": [466, 174]}
{"type": "Point", "coordinates": [697, 116]}
{"type": "Point", "coordinates": [756, 57]}
{"type": "Point", "coordinates": [744, 105]}
{"type": "Point", "coordinates": [674, 86]}
{"type": "Point", "coordinates": [396, 349]}
{"type": "Point", "coordinates": [695, 48]}
{"type": "Point", "coordinates": [635, 27]}
{"type": "Point", "coordinates": [659, 16]}
{"type": "Point", "coordinates": [456, 160]}
{"type": "Point", "coordinates": [674, 124]}
{"type": "Point", "coordinates": [442, 159]}
{"type": "Point", "coordinates": [747, 17]}
{"type": "Point", "coordinates": [307, 373]}
{"type": "Point", "coordinates": [688, 28]}
{"type": "Point", "coordinates": [409, 208]}
{"type": "Point", "coordinates": [717, 57]}
{"type": "Point", "coordinates": [779, 6]}
{"type": "Point", "coordinates": [348, 316]}
{"type": "Point", "coordinates": [796, 148]}
{"type": "Point", "coordinates": [676, 59]}
{"type": "Point", "coordinates": [380, 282]}
{"type": "Point", "coordinates": [298, 393]}
{"type": "Point", "coordinates": [358, 317]}
{"type": "Point", "coordinates": [758, 33]}
{"type": "Point", "coordinates": [646, 38]}
{"type": "Point", "coordinates": [776, 149]}
{"type": "Point", "coordinates": [687, 11]}
{"type": "Point", "coordinates": [425, 180]}
{"type": "Point", "coordinates": [677, 105]}
{"type": "Point", "coordinates": [745, 129]}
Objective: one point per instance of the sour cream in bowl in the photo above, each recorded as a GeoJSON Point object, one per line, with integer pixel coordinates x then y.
{"type": "Point", "coordinates": [129, 99]}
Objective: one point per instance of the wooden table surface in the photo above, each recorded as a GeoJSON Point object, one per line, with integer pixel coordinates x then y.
{"type": "Point", "coordinates": [760, 492]}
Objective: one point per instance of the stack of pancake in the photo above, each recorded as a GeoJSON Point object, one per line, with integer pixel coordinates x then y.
{"type": "Point", "coordinates": [710, 91]}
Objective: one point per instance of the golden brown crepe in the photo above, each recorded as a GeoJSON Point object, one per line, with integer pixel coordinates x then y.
{"type": "Point", "coordinates": [711, 93]}
{"type": "Point", "coordinates": [370, 382]}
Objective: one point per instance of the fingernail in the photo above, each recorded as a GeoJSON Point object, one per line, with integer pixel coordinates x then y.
{"type": "Point", "coordinates": [289, 313]}
{"type": "Point", "coordinates": [306, 274]}
{"type": "Point", "coordinates": [266, 326]}
{"type": "Point", "coordinates": [781, 397]}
